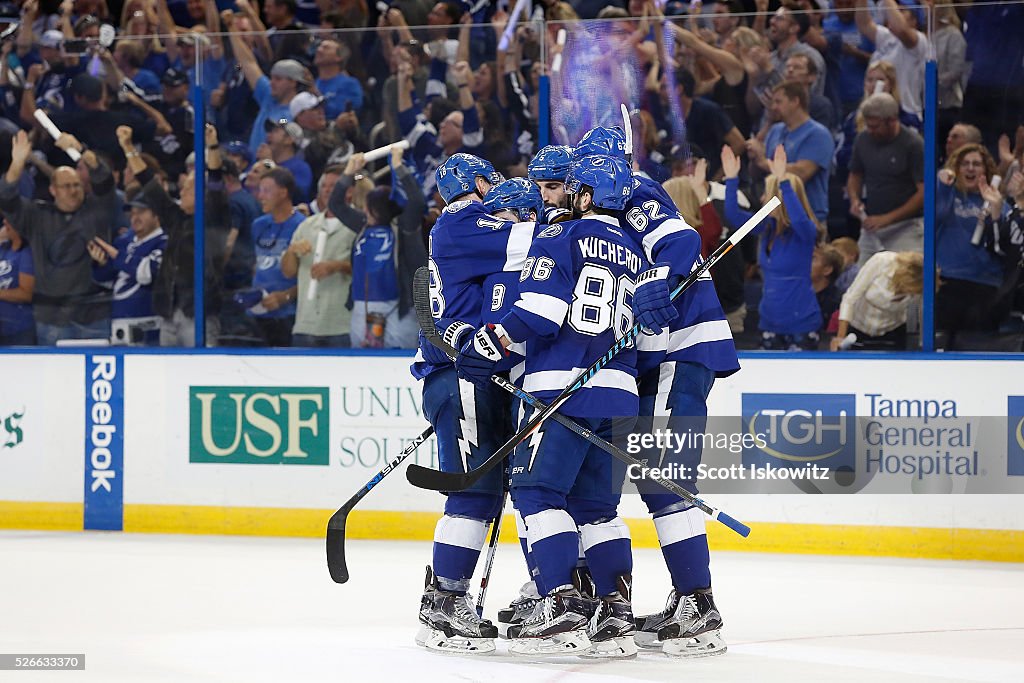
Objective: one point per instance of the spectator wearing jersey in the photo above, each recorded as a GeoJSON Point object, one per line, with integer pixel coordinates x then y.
{"type": "Point", "coordinates": [901, 44]}
{"type": "Point", "coordinates": [274, 310]}
{"type": "Point", "coordinates": [458, 132]}
{"type": "Point", "coordinates": [383, 257]}
{"type": "Point", "coordinates": [129, 56]}
{"type": "Point", "coordinates": [875, 306]}
{"type": "Point", "coordinates": [284, 138]}
{"type": "Point", "coordinates": [322, 319]}
{"type": "Point", "coordinates": [886, 182]}
{"type": "Point", "coordinates": [341, 92]}
{"type": "Point", "coordinates": [789, 313]}
{"type": "Point", "coordinates": [970, 274]}
{"type": "Point", "coordinates": [17, 282]}
{"type": "Point", "coordinates": [174, 289]}
{"type": "Point", "coordinates": [129, 268]}
{"type": "Point", "coordinates": [67, 304]}
{"type": "Point", "coordinates": [808, 144]}
{"type": "Point", "coordinates": [274, 93]}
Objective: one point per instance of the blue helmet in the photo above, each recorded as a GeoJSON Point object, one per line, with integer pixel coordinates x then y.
{"type": "Point", "coordinates": [601, 140]}
{"type": "Point", "coordinates": [609, 176]}
{"type": "Point", "coordinates": [457, 175]}
{"type": "Point", "coordinates": [551, 163]}
{"type": "Point", "coordinates": [518, 195]}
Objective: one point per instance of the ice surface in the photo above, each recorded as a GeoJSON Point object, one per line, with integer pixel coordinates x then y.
{"type": "Point", "coordinates": [211, 608]}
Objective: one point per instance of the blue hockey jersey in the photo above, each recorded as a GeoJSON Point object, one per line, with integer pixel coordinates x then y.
{"type": "Point", "coordinates": [374, 277]}
{"type": "Point", "coordinates": [468, 247]}
{"type": "Point", "coordinates": [131, 274]}
{"type": "Point", "coordinates": [575, 299]}
{"type": "Point", "coordinates": [701, 333]}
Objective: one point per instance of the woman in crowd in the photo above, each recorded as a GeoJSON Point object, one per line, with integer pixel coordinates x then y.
{"type": "Point", "coordinates": [790, 316]}
{"type": "Point", "coordinates": [971, 271]}
{"type": "Point", "coordinates": [874, 308]}
{"type": "Point", "coordinates": [17, 282]}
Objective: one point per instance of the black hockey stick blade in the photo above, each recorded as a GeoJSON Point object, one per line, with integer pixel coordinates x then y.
{"type": "Point", "coordinates": [434, 480]}
{"type": "Point", "coordinates": [336, 564]}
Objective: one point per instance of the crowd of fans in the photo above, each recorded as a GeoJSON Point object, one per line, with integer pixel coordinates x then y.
{"type": "Point", "coordinates": [307, 244]}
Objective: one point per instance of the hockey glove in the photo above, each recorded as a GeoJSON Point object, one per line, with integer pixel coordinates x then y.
{"type": "Point", "coordinates": [553, 215]}
{"type": "Point", "coordinates": [479, 355]}
{"type": "Point", "coordinates": [652, 301]}
{"type": "Point", "coordinates": [431, 353]}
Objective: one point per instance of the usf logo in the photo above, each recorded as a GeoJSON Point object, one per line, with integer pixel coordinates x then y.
{"type": "Point", "coordinates": [275, 425]}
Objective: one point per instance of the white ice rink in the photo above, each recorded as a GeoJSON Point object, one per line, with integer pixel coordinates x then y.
{"type": "Point", "coordinates": [184, 608]}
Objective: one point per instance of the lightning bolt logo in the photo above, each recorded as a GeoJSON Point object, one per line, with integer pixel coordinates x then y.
{"type": "Point", "coordinates": [467, 423]}
{"type": "Point", "coordinates": [533, 445]}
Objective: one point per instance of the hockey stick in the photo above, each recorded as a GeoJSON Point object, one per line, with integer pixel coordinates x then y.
{"type": "Point", "coordinates": [426, 478]}
{"type": "Point", "coordinates": [492, 546]}
{"type": "Point", "coordinates": [336, 526]}
{"type": "Point", "coordinates": [421, 303]}
{"type": "Point", "coordinates": [627, 129]}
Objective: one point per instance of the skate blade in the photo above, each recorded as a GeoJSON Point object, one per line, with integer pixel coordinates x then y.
{"type": "Point", "coordinates": [437, 641]}
{"type": "Point", "coordinates": [709, 644]}
{"type": "Point", "coordinates": [647, 640]}
{"type": "Point", "coordinates": [569, 643]}
{"type": "Point", "coordinates": [615, 648]}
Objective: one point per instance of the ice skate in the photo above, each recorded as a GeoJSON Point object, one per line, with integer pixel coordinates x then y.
{"type": "Point", "coordinates": [612, 626]}
{"type": "Point", "coordinates": [449, 623]}
{"type": "Point", "coordinates": [694, 628]}
{"type": "Point", "coordinates": [558, 626]}
{"type": "Point", "coordinates": [520, 609]}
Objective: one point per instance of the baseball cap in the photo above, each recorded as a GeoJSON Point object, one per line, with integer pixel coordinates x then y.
{"type": "Point", "coordinates": [293, 129]}
{"type": "Point", "coordinates": [239, 148]}
{"type": "Point", "coordinates": [915, 7]}
{"type": "Point", "coordinates": [304, 101]}
{"type": "Point", "coordinates": [290, 68]}
{"type": "Point", "coordinates": [52, 38]}
{"type": "Point", "coordinates": [139, 201]}
{"type": "Point", "coordinates": [174, 77]}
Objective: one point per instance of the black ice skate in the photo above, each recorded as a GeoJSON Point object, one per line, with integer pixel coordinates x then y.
{"type": "Point", "coordinates": [558, 626]}
{"type": "Point", "coordinates": [611, 627]}
{"type": "Point", "coordinates": [449, 623]}
{"type": "Point", "coordinates": [689, 626]}
{"type": "Point", "coordinates": [520, 609]}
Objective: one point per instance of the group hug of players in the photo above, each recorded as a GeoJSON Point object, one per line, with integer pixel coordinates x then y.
{"type": "Point", "coordinates": [537, 278]}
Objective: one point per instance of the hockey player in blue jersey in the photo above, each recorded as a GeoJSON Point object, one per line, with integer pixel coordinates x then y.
{"type": "Point", "coordinates": [128, 267]}
{"type": "Point", "coordinates": [574, 299]}
{"type": "Point", "coordinates": [548, 169]}
{"type": "Point", "coordinates": [467, 246]}
{"type": "Point", "coordinates": [690, 346]}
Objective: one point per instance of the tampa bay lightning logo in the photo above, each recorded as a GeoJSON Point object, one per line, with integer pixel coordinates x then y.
{"type": "Point", "coordinates": [550, 231]}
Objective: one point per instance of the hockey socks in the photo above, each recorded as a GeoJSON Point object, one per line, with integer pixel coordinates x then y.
{"type": "Point", "coordinates": [457, 544]}
{"type": "Point", "coordinates": [607, 547]}
{"type": "Point", "coordinates": [684, 543]}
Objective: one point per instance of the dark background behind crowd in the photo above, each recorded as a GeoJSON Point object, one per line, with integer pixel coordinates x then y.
{"type": "Point", "coordinates": [307, 244]}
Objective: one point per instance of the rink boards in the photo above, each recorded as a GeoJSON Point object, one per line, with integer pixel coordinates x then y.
{"type": "Point", "coordinates": [272, 445]}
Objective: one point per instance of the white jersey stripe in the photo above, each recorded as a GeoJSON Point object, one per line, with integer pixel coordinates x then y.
{"type": "Point", "coordinates": [519, 240]}
{"type": "Point", "coordinates": [669, 227]}
{"type": "Point", "coordinates": [709, 331]}
{"type": "Point", "coordinates": [546, 306]}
